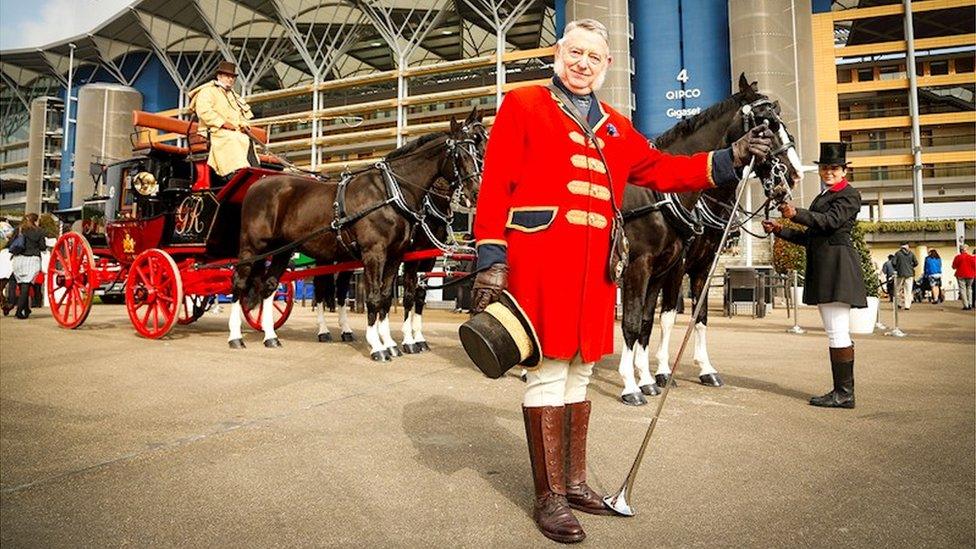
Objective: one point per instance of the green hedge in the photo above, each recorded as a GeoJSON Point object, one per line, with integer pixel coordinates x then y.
{"type": "Point", "coordinates": [911, 226]}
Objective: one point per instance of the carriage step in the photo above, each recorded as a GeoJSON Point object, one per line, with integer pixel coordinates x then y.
{"type": "Point", "coordinates": [347, 336]}
{"type": "Point", "coordinates": [633, 399]}
{"type": "Point", "coordinates": [272, 343]}
{"type": "Point", "coordinates": [325, 337]}
{"type": "Point", "coordinates": [711, 380]}
{"type": "Point", "coordinates": [651, 389]}
{"type": "Point", "coordinates": [236, 344]}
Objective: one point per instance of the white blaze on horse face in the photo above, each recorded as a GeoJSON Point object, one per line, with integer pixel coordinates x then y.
{"type": "Point", "coordinates": [784, 137]}
{"type": "Point", "coordinates": [626, 371]}
{"type": "Point", "coordinates": [642, 360]}
{"type": "Point", "coordinates": [407, 329]}
{"type": "Point", "coordinates": [701, 350]}
{"type": "Point", "coordinates": [663, 355]}
{"type": "Point", "coordinates": [267, 318]}
{"type": "Point", "coordinates": [373, 338]}
{"type": "Point", "coordinates": [344, 320]}
{"type": "Point", "coordinates": [234, 323]}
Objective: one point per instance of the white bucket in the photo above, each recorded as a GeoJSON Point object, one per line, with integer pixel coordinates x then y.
{"type": "Point", "coordinates": [863, 320]}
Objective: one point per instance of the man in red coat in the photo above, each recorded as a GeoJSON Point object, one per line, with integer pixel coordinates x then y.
{"type": "Point", "coordinates": [543, 224]}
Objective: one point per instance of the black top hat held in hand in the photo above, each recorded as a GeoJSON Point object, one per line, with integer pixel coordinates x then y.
{"type": "Point", "coordinates": [500, 337]}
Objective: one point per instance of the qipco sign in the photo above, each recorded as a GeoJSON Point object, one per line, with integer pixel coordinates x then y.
{"type": "Point", "coordinates": [679, 95]}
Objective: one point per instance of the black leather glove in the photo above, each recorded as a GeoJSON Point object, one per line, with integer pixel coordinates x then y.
{"type": "Point", "coordinates": [772, 226]}
{"type": "Point", "coordinates": [757, 142]}
{"type": "Point", "coordinates": [488, 286]}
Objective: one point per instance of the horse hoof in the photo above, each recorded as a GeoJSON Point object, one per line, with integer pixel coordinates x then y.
{"type": "Point", "coordinates": [272, 343]}
{"type": "Point", "coordinates": [380, 356]}
{"type": "Point", "coordinates": [347, 336]}
{"type": "Point", "coordinates": [633, 399]}
{"type": "Point", "coordinates": [662, 380]}
{"type": "Point", "coordinates": [410, 348]}
{"type": "Point", "coordinates": [651, 389]}
{"type": "Point", "coordinates": [423, 346]}
{"type": "Point", "coordinates": [711, 380]}
{"type": "Point", "coordinates": [394, 351]}
{"type": "Point", "coordinates": [325, 337]}
{"type": "Point", "coordinates": [236, 344]}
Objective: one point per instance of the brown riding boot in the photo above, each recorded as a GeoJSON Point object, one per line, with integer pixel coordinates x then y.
{"type": "Point", "coordinates": [578, 493]}
{"type": "Point", "coordinates": [544, 433]}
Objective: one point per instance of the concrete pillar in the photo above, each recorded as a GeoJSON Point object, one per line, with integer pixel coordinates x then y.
{"type": "Point", "coordinates": [35, 154]}
{"type": "Point", "coordinates": [613, 14]}
{"type": "Point", "coordinates": [771, 42]}
{"type": "Point", "coordinates": [880, 207]}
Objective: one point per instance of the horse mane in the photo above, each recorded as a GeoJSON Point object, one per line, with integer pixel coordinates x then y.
{"type": "Point", "coordinates": [688, 126]}
{"type": "Point", "coordinates": [413, 146]}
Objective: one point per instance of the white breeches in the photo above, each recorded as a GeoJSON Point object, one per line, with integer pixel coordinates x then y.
{"type": "Point", "coordinates": [557, 382]}
{"type": "Point", "coordinates": [836, 319]}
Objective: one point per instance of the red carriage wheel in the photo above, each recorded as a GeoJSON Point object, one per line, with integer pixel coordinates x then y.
{"type": "Point", "coordinates": [71, 280]}
{"type": "Point", "coordinates": [153, 293]}
{"type": "Point", "coordinates": [283, 303]}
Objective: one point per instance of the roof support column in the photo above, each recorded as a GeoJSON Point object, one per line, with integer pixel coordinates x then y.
{"type": "Point", "coordinates": [917, 196]}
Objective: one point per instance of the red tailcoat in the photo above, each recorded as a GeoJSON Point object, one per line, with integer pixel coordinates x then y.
{"type": "Point", "coordinates": [545, 197]}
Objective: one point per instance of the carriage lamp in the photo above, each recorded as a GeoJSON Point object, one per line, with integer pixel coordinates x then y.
{"type": "Point", "coordinates": [145, 184]}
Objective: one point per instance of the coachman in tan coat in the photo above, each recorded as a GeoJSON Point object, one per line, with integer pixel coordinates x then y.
{"type": "Point", "coordinates": [223, 117]}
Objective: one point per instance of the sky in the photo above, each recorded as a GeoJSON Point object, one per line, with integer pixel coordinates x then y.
{"type": "Point", "coordinates": [32, 23]}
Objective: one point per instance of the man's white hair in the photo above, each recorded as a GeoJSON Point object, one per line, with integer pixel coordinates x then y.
{"type": "Point", "coordinates": [594, 26]}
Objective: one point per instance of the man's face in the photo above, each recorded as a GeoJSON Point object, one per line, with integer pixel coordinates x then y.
{"type": "Point", "coordinates": [582, 60]}
{"type": "Point", "coordinates": [226, 80]}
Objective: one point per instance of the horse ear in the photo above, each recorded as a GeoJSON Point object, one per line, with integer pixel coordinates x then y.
{"type": "Point", "coordinates": [455, 127]}
{"type": "Point", "coordinates": [755, 87]}
{"type": "Point", "coordinates": [473, 117]}
{"type": "Point", "coordinates": [743, 82]}
{"type": "Point", "coordinates": [776, 107]}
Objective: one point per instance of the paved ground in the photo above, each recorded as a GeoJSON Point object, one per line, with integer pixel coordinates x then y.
{"type": "Point", "coordinates": [109, 440]}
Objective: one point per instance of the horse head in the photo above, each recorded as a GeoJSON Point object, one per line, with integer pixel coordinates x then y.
{"type": "Point", "coordinates": [781, 170]}
{"type": "Point", "coordinates": [466, 152]}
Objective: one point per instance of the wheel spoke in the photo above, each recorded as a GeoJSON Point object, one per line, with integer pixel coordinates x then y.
{"type": "Point", "coordinates": [145, 319]}
{"type": "Point", "coordinates": [64, 295]}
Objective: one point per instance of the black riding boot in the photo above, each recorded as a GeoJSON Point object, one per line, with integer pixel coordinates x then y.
{"type": "Point", "coordinates": [842, 368]}
{"type": "Point", "coordinates": [23, 301]}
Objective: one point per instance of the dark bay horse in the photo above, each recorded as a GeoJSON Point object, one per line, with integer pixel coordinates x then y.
{"type": "Point", "coordinates": [660, 246]}
{"type": "Point", "coordinates": [368, 216]}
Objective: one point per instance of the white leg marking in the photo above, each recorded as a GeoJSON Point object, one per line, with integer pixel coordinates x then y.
{"type": "Point", "coordinates": [626, 371]}
{"type": "Point", "coordinates": [320, 314]}
{"type": "Point", "coordinates": [373, 338]}
{"type": "Point", "coordinates": [407, 329]}
{"type": "Point", "coordinates": [418, 326]}
{"type": "Point", "coordinates": [642, 361]}
{"type": "Point", "coordinates": [663, 352]}
{"type": "Point", "coordinates": [234, 323]}
{"type": "Point", "coordinates": [344, 320]}
{"type": "Point", "coordinates": [385, 336]}
{"type": "Point", "coordinates": [701, 350]}
{"type": "Point", "coordinates": [267, 318]}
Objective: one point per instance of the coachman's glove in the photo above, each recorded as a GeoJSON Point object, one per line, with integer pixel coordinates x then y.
{"type": "Point", "coordinates": [787, 210]}
{"type": "Point", "coordinates": [771, 226]}
{"type": "Point", "coordinates": [488, 286]}
{"type": "Point", "coordinates": [757, 142]}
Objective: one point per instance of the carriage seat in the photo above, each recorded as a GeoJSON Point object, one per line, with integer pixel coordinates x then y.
{"type": "Point", "coordinates": [197, 143]}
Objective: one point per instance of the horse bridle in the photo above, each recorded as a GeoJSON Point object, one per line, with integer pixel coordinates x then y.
{"type": "Point", "coordinates": [778, 171]}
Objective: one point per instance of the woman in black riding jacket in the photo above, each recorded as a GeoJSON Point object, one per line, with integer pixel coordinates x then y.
{"type": "Point", "coordinates": [834, 282]}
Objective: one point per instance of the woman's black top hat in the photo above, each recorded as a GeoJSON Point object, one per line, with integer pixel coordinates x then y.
{"type": "Point", "coordinates": [500, 337]}
{"type": "Point", "coordinates": [226, 67]}
{"type": "Point", "coordinates": [832, 154]}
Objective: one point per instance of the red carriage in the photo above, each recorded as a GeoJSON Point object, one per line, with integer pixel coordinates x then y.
{"type": "Point", "coordinates": [156, 219]}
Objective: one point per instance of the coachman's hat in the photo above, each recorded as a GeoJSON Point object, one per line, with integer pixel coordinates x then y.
{"type": "Point", "coordinates": [500, 337]}
{"type": "Point", "coordinates": [832, 154]}
{"type": "Point", "coordinates": [226, 67]}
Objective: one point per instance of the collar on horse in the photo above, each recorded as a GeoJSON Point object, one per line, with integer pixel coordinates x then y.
{"type": "Point", "coordinates": [394, 197]}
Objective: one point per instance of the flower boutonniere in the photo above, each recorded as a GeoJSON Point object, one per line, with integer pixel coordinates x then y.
{"type": "Point", "coordinates": [612, 130]}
